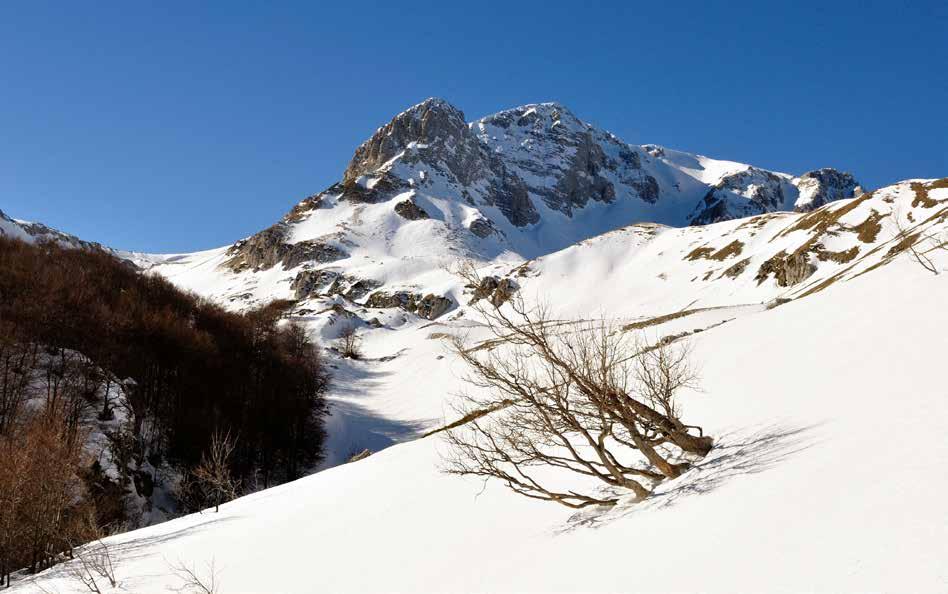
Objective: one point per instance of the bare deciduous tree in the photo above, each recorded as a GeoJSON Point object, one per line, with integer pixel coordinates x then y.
{"type": "Point", "coordinates": [94, 563]}
{"type": "Point", "coordinates": [213, 473]}
{"type": "Point", "coordinates": [919, 244]}
{"type": "Point", "coordinates": [349, 343]}
{"type": "Point", "coordinates": [584, 398]}
{"type": "Point", "coordinates": [192, 582]}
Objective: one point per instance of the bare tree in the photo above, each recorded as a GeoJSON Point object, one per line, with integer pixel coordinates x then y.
{"type": "Point", "coordinates": [94, 561]}
{"type": "Point", "coordinates": [192, 582]}
{"type": "Point", "coordinates": [213, 473]}
{"type": "Point", "coordinates": [584, 398]}
{"type": "Point", "coordinates": [919, 244]}
{"type": "Point", "coordinates": [349, 343]}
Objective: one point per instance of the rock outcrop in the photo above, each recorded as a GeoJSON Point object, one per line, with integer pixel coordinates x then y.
{"type": "Point", "coordinates": [496, 290]}
{"type": "Point", "coordinates": [429, 306]}
{"type": "Point", "coordinates": [787, 270]}
{"type": "Point", "coordinates": [433, 134]}
{"type": "Point", "coordinates": [565, 161]}
{"type": "Point", "coordinates": [310, 283]}
{"type": "Point", "coordinates": [407, 209]}
{"type": "Point", "coordinates": [823, 186]}
{"type": "Point", "coordinates": [754, 191]}
{"type": "Point", "coordinates": [268, 248]}
{"type": "Point", "coordinates": [743, 194]}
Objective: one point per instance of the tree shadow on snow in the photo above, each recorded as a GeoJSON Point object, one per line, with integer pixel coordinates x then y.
{"type": "Point", "coordinates": [354, 426]}
{"type": "Point", "coordinates": [735, 454]}
{"type": "Point", "coordinates": [120, 553]}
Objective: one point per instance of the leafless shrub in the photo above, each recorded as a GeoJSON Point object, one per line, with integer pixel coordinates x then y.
{"type": "Point", "coordinates": [193, 582]}
{"type": "Point", "coordinates": [94, 561]}
{"type": "Point", "coordinates": [349, 343]}
{"type": "Point", "coordinates": [582, 398]}
{"type": "Point", "coordinates": [920, 245]}
{"type": "Point", "coordinates": [213, 473]}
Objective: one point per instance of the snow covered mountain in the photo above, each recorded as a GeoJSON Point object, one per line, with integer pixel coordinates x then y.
{"type": "Point", "coordinates": [428, 188]}
{"type": "Point", "coordinates": [808, 356]}
{"type": "Point", "coordinates": [782, 285]}
{"type": "Point", "coordinates": [32, 232]}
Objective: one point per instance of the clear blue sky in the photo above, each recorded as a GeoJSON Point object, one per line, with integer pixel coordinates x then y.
{"type": "Point", "coordinates": [166, 126]}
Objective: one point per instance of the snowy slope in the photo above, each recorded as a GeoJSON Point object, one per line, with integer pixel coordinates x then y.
{"type": "Point", "coordinates": [31, 232]}
{"type": "Point", "coordinates": [827, 477]}
{"type": "Point", "coordinates": [697, 276]}
{"type": "Point", "coordinates": [536, 197]}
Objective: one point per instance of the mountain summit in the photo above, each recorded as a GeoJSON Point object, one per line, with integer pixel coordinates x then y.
{"type": "Point", "coordinates": [429, 188]}
{"type": "Point", "coordinates": [532, 161]}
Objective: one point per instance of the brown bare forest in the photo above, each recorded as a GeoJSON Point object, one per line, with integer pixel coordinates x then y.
{"type": "Point", "coordinates": [74, 325]}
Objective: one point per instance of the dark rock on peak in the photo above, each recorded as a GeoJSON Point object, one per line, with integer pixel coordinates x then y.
{"type": "Point", "coordinates": [433, 121]}
{"type": "Point", "coordinates": [407, 209]}
{"type": "Point", "coordinates": [481, 227]}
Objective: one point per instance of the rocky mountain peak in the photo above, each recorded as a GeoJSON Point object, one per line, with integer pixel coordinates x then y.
{"type": "Point", "coordinates": [434, 121]}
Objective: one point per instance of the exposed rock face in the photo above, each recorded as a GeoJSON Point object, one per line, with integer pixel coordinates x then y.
{"type": "Point", "coordinates": [303, 208]}
{"type": "Point", "coordinates": [433, 306]}
{"type": "Point", "coordinates": [267, 248]}
{"type": "Point", "coordinates": [823, 186]}
{"type": "Point", "coordinates": [379, 189]}
{"type": "Point", "coordinates": [546, 142]}
{"type": "Point", "coordinates": [407, 209]}
{"type": "Point", "coordinates": [262, 250]}
{"type": "Point", "coordinates": [435, 135]}
{"type": "Point", "coordinates": [742, 194]}
{"type": "Point", "coordinates": [312, 251]}
{"type": "Point", "coordinates": [755, 191]}
{"type": "Point", "coordinates": [507, 160]}
{"type": "Point", "coordinates": [434, 123]}
{"type": "Point", "coordinates": [310, 283]}
{"type": "Point", "coordinates": [788, 270]}
{"type": "Point", "coordinates": [428, 307]}
{"type": "Point", "coordinates": [496, 290]}
{"type": "Point", "coordinates": [481, 227]}
{"type": "Point", "coordinates": [360, 288]}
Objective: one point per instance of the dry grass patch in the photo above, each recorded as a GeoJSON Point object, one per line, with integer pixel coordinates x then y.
{"type": "Point", "coordinates": [699, 253]}
{"type": "Point", "coordinates": [737, 269]}
{"type": "Point", "coordinates": [823, 218]}
{"type": "Point", "coordinates": [709, 253]}
{"type": "Point", "coordinates": [732, 249]}
{"type": "Point", "coordinates": [659, 319]}
{"type": "Point", "coordinates": [904, 243]}
{"type": "Point", "coordinates": [868, 230]}
{"type": "Point", "coordinates": [921, 196]}
{"type": "Point", "coordinates": [843, 257]}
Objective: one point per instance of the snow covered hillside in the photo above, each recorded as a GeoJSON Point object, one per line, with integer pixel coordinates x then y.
{"type": "Point", "coordinates": [32, 232]}
{"type": "Point", "coordinates": [697, 276]}
{"type": "Point", "coordinates": [827, 475]}
{"type": "Point", "coordinates": [816, 326]}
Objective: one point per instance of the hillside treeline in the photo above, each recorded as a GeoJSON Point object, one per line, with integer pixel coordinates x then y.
{"type": "Point", "coordinates": [75, 325]}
